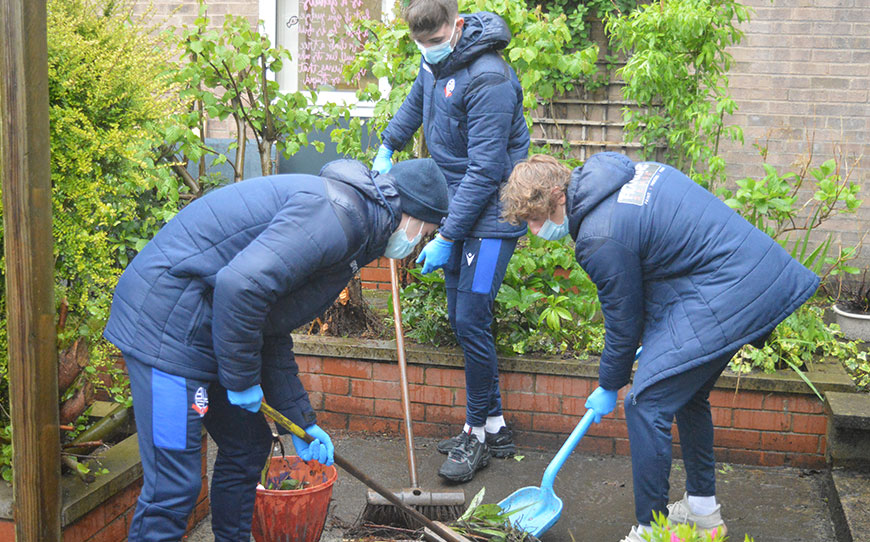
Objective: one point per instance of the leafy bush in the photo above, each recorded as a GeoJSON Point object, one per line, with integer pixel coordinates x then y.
{"type": "Point", "coordinates": [677, 74]}
{"type": "Point", "coordinates": [226, 74]}
{"type": "Point", "coordinates": [544, 288]}
{"type": "Point", "coordinates": [108, 92]}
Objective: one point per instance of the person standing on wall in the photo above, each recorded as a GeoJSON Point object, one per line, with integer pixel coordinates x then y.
{"type": "Point", "coordinates": [203, 316]}
{"type": "Point", "coordinates": [678, 271]}
{"type": "Point", "coordinates": [470, 104]}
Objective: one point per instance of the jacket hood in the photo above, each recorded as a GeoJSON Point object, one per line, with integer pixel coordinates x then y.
{"type": "Point", "coordinates": [593, 182]}
{"type": "Point", "coordinates": [482, 32]}
{"type": "Point", "coordinates": [379, 188]}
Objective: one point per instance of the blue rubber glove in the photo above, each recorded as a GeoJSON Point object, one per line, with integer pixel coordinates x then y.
{"type": "Point", "coordinates": [320, 449]}
{"type": "Point", "coordinates": [435, 254]}
{"type": "Point", "coordinates": [248, 399]}
{"type": "Point", "coordinates": [382, 162]}
{"type": "Point", "coordinates": [602, 402]}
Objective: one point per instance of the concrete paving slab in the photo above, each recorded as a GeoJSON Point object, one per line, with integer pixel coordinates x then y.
{"type": "Point", "coordinates": [769, 504]}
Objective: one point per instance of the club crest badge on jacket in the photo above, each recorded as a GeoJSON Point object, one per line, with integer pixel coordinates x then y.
{"type": "Point", "coordinates": [448, 88]}
{"type": "Point", "coordinates": [200, 401]}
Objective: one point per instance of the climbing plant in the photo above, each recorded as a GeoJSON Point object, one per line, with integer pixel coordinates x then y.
{"type": "Point", "coordinates": [677, 76]}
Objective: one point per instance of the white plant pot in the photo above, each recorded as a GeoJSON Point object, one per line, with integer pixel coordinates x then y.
{"type": "Point", "coordinates": [853, 325]}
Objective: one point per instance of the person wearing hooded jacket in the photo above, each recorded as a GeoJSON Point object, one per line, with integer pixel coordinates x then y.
{"type": "Point", "coordinates": [470, 104]}
{"type": "Point", "coordinates": [679, 273]}
{"type": "Point", "coordinates": [203, 316]}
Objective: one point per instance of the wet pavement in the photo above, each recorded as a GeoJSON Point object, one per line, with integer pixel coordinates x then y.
{"type": "Point", "coordinates": [769, 504]}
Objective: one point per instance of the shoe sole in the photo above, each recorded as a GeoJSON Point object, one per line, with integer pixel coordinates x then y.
{"type": "Point", "coordinates": [484, 462]}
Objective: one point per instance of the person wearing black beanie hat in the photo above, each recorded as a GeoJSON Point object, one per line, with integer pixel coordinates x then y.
{"type": "Point", "coordinates": [203, 316]}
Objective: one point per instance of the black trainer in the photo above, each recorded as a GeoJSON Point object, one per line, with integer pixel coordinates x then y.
{"type": "Point", "coordinates": [500, 444]}
{"type": "Point", "coordinates": [468, 457]}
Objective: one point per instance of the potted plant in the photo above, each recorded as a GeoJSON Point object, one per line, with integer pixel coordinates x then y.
{"type": "Point", "coordinates": [292, 499]}
{"type": "Point", "coordinates": [852, 308]}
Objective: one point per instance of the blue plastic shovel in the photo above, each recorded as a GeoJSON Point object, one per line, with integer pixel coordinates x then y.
{"type": "Point", "coordinates": [536, 509]}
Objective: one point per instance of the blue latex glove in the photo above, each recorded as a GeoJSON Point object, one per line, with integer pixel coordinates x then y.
{"type": "Point", "coordinates": [435, 254]}
{"type": "Point", "coordinates": [382, 162]}
{"type": "Point", "coordinates": [320, 449]}
{"type": "Point", "coordinates": [602, 402]}
{"type": "Point", "coordinates": [248, 399]}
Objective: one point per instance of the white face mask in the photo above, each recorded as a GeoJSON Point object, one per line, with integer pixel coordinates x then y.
{"type": "Point", "coordinates": [552, 231]}
{"type": "Point", "coordinates": [399, 246]}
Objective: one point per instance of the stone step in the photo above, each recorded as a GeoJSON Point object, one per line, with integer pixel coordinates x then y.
{"type": "Point", "coordinates": [849, 502]}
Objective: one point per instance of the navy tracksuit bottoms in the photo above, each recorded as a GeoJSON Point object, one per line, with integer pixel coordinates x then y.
{"type": "Point", "coordinates": [170, 413]}
{"type": "Point", "coordinates": [649, 417]}
{"type": "Point", "coordinates": [473, 275]}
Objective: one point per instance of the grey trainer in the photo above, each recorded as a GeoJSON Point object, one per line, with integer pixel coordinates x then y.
{"type": "Point", "coordinates": [679, 512]}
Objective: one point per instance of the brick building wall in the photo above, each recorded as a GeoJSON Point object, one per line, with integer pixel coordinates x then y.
{"type": "Point", "coordinates": [803, 70]}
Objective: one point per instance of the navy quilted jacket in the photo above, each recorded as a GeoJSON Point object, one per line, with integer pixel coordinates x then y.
{"type": "Point", "coordinates": [676, 269]}
{"type": "Point", "coordinates": [471, 109]}
{"type": "Point", "coordinates": [218, 290]}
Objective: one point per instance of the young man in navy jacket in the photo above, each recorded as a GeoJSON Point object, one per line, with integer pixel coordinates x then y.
{"type": "Point", "coordinates": [470, 104]}
{"type": "Point", "coordinates": [682, 274]}
{"type": "Point", "coordinates": [203, 316]}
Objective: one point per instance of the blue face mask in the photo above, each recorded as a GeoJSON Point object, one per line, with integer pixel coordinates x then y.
{"type": "Point", "coordinates": [437, 53]}
{"type": "Point", "coordinates": [552, 231]}
{"type": "Point", "coordinates": [399, 246]}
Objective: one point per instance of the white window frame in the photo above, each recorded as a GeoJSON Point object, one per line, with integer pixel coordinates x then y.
{"type": "Point", "coordinates": [268, 10]}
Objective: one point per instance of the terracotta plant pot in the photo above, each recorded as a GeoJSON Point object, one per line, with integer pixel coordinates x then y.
{"type": "Point", "coordinates": [293, 515]}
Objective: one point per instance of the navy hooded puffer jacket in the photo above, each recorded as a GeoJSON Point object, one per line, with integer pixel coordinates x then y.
{"type": "Point", "coordinates": [676, 269]}
{"type": "Point", "coordinates": [471, 109]}
{"type": "Point", "coordinates": [218, 290]}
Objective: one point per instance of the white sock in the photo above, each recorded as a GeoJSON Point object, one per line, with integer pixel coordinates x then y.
{"type": "Point", "coordinates": [479, 432]}
{"type": "Point", "coordinates": [494, 423]}
{"type": "Point", "coordinates": [702, 506]}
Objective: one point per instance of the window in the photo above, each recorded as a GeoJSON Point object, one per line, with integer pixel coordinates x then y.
{"type": "Point", "coordinates": [321, 39]}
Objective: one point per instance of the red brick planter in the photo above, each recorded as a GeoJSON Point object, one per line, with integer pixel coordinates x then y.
{"type": "Point", "coordinates": [101, 511]}
{"type": "Point", "coordinates": [770, 420]}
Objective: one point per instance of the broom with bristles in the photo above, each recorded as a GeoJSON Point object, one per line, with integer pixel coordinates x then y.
{"type": "Point", "coordinates": [442, 505]}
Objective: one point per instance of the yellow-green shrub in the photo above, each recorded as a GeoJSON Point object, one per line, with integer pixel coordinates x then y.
{"type": "Point", "coordinates": [108, 94]}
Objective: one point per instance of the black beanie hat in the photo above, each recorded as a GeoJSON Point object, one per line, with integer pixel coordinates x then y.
{"type": "Point", "coordinates": [422, 189]}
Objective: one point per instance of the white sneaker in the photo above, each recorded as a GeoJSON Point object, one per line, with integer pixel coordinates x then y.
{"type": "Point", "coordinates": [679, 512]}
{"type": "Point", "coordinates": [633, 536]}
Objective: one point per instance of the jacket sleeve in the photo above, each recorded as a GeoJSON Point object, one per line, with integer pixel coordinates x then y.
{"type": "Point", "coordinates": [301, 239]}
{"type": "Point", "coordinates": [281, 385]}
{"type": "Point", "coordinates": [616, 271]}
{"type": "Point", "coordinates": [490, 105]}
{"type": "Point", "coordinates": [407, 119]}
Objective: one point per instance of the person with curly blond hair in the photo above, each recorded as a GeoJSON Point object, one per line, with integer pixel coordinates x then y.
{"type": "Point", "coordinates": [677, 272]}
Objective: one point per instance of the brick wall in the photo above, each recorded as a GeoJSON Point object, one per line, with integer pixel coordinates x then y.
{"type": "Point", "coordinates": [803, 68]}
{"type": "Point", "coordinates": [752, 427]}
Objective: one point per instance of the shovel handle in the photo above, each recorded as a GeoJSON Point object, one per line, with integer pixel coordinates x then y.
{"type": "Point", "coordinates": [283, 421]}
{"type": "Point", "coordinates": [566, 449]}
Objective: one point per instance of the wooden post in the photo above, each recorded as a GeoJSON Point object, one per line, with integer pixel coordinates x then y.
{"type": "Point", "coordinates": [27, 238]}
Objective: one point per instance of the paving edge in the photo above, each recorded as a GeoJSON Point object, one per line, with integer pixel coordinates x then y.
{"type": "Point", "coordinates": [848, 496]}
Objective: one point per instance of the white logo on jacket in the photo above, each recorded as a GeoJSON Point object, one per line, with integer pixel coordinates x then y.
{"type": "Point", "coordinates": [469, 257]}
{"type": "Point", "coordinates": [448, 88]}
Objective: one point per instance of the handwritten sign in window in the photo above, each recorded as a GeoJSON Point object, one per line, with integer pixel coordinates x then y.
{"type": "Point", "coordinates": [327, 40]}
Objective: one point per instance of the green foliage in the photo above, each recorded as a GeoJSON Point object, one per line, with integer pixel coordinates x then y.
{"type": "Point", "coordinates": [789, 211]}
{"type": "Point", "coordinates": [540, 53]}
{"type": "Point", "coordinates": [489, 522]}
{"type": "Point", "coordinates": [577, 14]}
{"type": "Point", "coordinates": [677, 74]}
{"type": "Point", "coordinates": [665, 531]}
{"type": "Point", "coordinates": [225, 74]}
{"type": "Point", "coordinates": [544, 288]}
{"type": "Point", "coordinates": [108, 92]}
